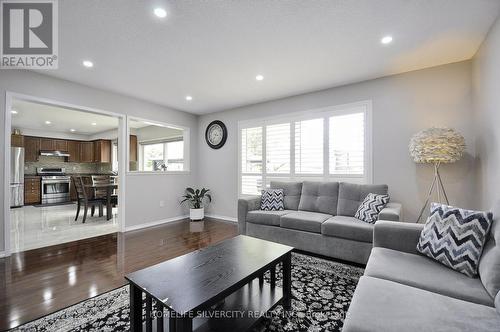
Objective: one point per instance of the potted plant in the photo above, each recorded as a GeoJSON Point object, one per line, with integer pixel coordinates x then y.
{"type": "Point", "coordinates": [196, 199]}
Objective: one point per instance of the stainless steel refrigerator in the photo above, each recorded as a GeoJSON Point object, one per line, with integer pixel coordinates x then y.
{"type": "Point", "coordinates": [16, 177]}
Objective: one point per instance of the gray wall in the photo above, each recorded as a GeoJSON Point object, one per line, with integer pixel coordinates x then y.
{"type": "Point", "coordinates": [402, 105]}
{"type": "Point", "coordinates": [486, 82]}
{"type": "Point", "coordinates": [144, 192]}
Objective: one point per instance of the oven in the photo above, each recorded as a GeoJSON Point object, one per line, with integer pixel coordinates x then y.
{"type": "Point", "coordinates": [56, 186]}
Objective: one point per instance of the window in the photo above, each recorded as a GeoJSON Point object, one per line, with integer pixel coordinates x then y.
{"type": "Point", "coordinates": [160, 147]}
{"type": "Point", "coordinates": [328, 144]}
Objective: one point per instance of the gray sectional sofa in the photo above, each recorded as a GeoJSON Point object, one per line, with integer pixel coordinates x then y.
{"type": "Point", "coordinates": [318, 217]}
{"type": "Point", "coordinates": [404, 291]}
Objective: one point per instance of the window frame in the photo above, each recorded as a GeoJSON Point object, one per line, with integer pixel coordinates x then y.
{"type": "Point", "coordinates": [325, 113]}
{"type": "Point", "coordinates": [185, 138]}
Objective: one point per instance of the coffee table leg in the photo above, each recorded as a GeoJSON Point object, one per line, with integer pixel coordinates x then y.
{"type": "Point", "coordinates": [287, 281]}
{"type": "Point", "coordinates": [149, 312]}
{"type": "Point", "coordinates": [159, 317]}
{"type": "Point", "coordinates": [273, 276]}
{"type": "Point", "coordinates": [185, 324]}
{"type": "Point", "coordinates": [135, 309]}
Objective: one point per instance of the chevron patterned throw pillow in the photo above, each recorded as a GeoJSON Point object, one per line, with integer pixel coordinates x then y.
{"type": "Point", "coordinates": [455, 237]}
{"type": "Point", "coordinates": [370, 208]}
{"type": "Point", "coordinates": [272, 200]}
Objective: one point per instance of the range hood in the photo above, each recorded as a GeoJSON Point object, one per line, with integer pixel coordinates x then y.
{"type": "Point", "coordinates": [54, 153]}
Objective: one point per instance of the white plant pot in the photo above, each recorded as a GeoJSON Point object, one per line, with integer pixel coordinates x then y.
{"type": "Point", "coordinates": [197, 214]}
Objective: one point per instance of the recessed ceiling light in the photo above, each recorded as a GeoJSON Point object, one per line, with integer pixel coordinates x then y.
{"type": "Point", "coordinates": [13, 111]}
{"type": "Point", "coordinates": [189, 98]}
{"type": "Point", "coordinates": [72, 130]}
{"type": "Point", "coordinates": [386, 40]}
{"type": "Point", "coordinates": [88, 63]}
{"type": "Point", "coordinates": [259, 77]}
{"type": "Point", "coordinates": [48, 122]}
{"type": "Point", "coordinates": [94, 124]}
{"type": "Point", "coordinates": [160, 12]}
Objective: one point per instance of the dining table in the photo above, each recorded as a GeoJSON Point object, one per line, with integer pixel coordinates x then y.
{"type": "Point", "coordinates": [109, 187]}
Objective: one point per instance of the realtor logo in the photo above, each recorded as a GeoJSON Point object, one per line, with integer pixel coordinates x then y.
{"type": "Point", "coordinates": [28, 34]}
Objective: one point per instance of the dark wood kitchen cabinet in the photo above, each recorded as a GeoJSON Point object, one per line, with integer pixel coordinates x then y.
{"type": "Point", "coordinates": [31, 148]}
{"type": "Point", "coordinates": [47, 144]}
{"type": "Point", "coordinates": [32, 190]}
{"type": "Point", "coordinates": [17, 141]}
{"type": "Point", "coordinates": [61, 145]}
{"type": "Point", "coordinates": [133, 148]}
{"type": "Point", "coordinates": [74, 151]}
{"type": "Point", "coordinates": [86, 152]}
{"type": "Point", "coordinates": [102, 151]}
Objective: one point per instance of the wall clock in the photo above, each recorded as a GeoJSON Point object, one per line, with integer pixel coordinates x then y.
{"type": "Point", "coordinates": [216, 134]}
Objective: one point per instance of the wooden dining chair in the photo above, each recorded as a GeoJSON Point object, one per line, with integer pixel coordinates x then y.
{"type": "Point", "coordinates": [83, 199]}
{"type": "Point", "coordinates": [102, 192]}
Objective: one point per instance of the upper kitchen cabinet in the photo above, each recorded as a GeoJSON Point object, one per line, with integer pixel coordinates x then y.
{"type": "Point", "coordinates": [61, 145]}
{"type": "Point", "coordinates": [102, 151]}
{"type": "Point", "coordinates": [86, 152]}
{"type": "Point", "coordinates": [17, 141]}
{"type": "Point", "coordinates": [74, 151]}
{"type": "Point", "coordinates": [51, 144]}
{"type": "Point", "coordinates": [31, 149]}
{"type": "Point", "coordinates": [133, 148]}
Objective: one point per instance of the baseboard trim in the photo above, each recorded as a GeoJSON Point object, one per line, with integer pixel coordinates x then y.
{"type": "Point", "coordinates": [155, 223]}
{"type": "Point", "coordinates": [226, 218]}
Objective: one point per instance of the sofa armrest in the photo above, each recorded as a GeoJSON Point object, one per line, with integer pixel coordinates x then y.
{"type": "Point", "coordinates": [244, 205]}
{"type": "Point", "coordinates": [397, 235]}
{"type": "Point", "coordinates": [392, 211]}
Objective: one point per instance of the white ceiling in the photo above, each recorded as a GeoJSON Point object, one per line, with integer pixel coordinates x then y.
{"type": "Point", "coordinates": [213, 50]}
{"type": "Point", "coordinates": [33, 116]}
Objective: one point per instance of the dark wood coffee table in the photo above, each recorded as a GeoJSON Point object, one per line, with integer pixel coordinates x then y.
{"type": "Point", "coordinates": [217, 288]}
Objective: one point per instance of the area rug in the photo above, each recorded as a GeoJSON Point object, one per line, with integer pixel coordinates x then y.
{"type": "Point", "coordinates": [321, 290]}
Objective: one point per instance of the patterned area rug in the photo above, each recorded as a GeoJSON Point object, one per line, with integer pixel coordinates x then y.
{"type": "Point", "coordinates": [321, 289]}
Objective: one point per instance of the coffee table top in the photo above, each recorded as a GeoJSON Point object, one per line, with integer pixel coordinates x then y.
{"type": "Point", "coordinates": [192, 281]}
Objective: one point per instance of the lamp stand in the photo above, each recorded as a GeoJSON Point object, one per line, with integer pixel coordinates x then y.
{"type": "Point", "coordinates": [436, 185]}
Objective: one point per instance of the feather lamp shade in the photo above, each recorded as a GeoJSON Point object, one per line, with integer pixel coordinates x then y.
{"type": "Point", "coordinates": [437, 145]}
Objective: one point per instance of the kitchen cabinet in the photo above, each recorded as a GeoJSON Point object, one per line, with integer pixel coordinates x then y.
{"type": "Point", "coordinates": [31, 148]}
{"type": "Point", "coordinates": [61, 145]}
{"type": "Point", "coordinates": [102, 151]}
{"type": "Point", "coordinates": [47, 144]}
{"type": "Point", "coordinates": [74, 151]}
{"type": "Point", "coordinates": [86, 152]}
{"type": "Point", "coordinates": [32, 190]}
{"type": "Point", "coordinates": [17, 141]}
{"type": "Point", "coordinates": [133, 148]}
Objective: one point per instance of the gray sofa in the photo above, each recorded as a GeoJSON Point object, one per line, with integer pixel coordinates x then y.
{"type": "Point", "coordinates": [404, 291]}
{"type": "Point", "coordinates": [318, 217]}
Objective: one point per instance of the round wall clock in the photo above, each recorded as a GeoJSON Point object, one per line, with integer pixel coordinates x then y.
{"type": "Point", "coordinates": [216, 134]}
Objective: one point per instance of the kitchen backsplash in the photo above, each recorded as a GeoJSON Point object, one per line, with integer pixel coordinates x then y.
{"type": "Point", "coordinates": [71, 168]}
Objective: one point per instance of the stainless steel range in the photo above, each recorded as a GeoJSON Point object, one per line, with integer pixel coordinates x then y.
{"type": "Point", "coordinates": [56, 185]}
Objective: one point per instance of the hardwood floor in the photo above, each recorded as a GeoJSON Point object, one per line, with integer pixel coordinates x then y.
{"type": "Point", "coordinates": [37, 282]}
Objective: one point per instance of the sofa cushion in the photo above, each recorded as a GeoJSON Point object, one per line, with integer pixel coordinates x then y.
{"type": "Point", "coordinates": [272, 200]}
{"type": "Point", "coordinates": [271, 218]}
{"type": "Point", "coordinates": [348, 228]}
{"type": "Point", "coordinates": [291, 191]}
{"type": "Point", "coordinates": [455, 237]}
{"type": "Point", "coordinates": [489, 264]}
{"type": "Point", "coordinates": [422, 272]}
{"type": "Point", "coordinates": [351, 195]}
{"type": "Point", "coordinates": [319, 197]}
{"type": "Point", "coordinates": [304, 221]}
{"type": "Point", "coordinates": [380, 305]}
{"type": "Point", "coordinates": [371, 206]}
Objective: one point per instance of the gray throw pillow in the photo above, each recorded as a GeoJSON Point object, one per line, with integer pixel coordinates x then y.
{"type": "Point", "coordinates": [272, 200]}
{"type": "Point", "coordinates": [371, 206]}
{"type": "Point", "coordinates": [455, 237]}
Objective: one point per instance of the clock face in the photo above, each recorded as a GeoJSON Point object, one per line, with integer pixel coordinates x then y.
{"type": "Point", "coordinates": [216, 134]}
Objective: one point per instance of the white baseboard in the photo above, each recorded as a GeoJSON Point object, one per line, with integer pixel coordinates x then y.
{"type": "Point", "coordinates": [154, 223]}
{"type": "Point", "coordinates": [216, 216]}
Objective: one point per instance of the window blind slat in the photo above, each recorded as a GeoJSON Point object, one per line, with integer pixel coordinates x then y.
{"type": "Point", "coordinates": [346, 144]}
{"type": "Point", "coordinates": [309, 146]}
{"type": "Point", "coordinates": [278, 148]}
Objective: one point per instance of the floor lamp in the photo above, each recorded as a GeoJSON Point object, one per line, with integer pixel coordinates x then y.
{"type": "Point", "coordinates": [436, 146]}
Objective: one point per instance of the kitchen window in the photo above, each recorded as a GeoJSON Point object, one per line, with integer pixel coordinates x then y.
{"type": "Point", "coordinates": [163, 156]}
{"type": "Point", "coordinates": [330, 144]}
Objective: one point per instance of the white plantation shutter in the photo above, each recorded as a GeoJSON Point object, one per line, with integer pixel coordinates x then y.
{"type": "Point", "coordinates": [347, 144]}
{"type": "Point", "coordinates": [278, 148]}
{"type": "Point", "coordinates": [309, 146]}
{"type": "Point", "coordinates": [251, 160]}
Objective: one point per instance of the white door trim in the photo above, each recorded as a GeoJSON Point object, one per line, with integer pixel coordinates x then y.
{"type": "Point", "coordinates": [122, 152]}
